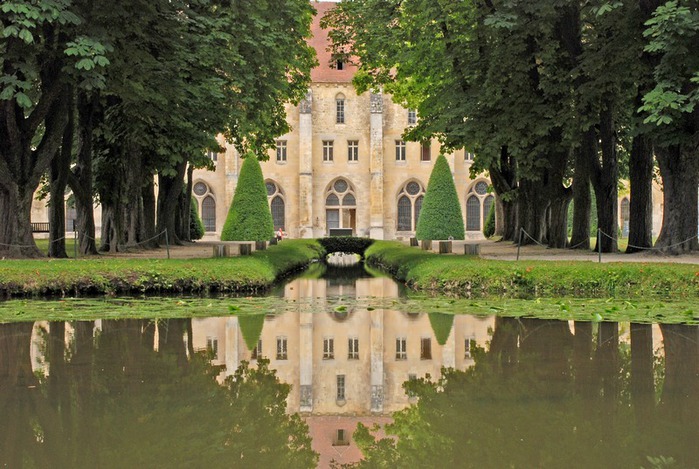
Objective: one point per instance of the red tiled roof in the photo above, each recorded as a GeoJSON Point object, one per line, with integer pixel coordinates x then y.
{"type": "Point", "coordinates": [320, 42]}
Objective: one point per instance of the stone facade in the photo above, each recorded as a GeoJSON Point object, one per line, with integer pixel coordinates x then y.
{"type": "Point", "coordinates": [364, 134]}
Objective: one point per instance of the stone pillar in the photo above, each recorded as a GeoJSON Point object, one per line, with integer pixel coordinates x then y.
{"type": "Point", "coordinates": [232, 358]}
{"type": "Point", "coordinates": [377, 381]}
{"type": "Point", "coordinates": [376, 212]}
{"type": "Point", "coordinates": [305, 228]}
{"type": "Point", "coordinates": [449, 349]}
{"type": "Point", "coordinates": [305, 348]}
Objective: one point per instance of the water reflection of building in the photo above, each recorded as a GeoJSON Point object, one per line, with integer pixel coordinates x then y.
{"type": "Point", "coordinates": [344, 365]}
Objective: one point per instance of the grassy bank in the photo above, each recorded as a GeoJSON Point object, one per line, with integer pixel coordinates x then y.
{"type": "Point", "coordinates": [119, 276]}
{"type": "Point", "coordinates": [464, 275]}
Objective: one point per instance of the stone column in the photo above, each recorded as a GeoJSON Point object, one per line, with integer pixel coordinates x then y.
{"type": "Point", "coordinates": [449, 349]}
{"type": "Point", "coordinates": [305, 347]}
{"type": "Point", "coordinates": [376, 212]}
{"type": "Point", "coordinates": [377, 385]}
{"type": "Point", "coordinates": [232, 358]}
{"type": "Point", "coordinates": [305, 228]}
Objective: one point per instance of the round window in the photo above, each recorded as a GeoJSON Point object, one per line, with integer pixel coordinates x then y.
{"type": "Point", "coordinates": [200, 188]}
{"type": "Point", "coordinates": [481, 188]}
{"type": "Point", "coordinates": [340, 185]}
{"type": "Point", "coordinates": [412, 188]}
{"type": "Point", "coordinates": [271, 188]}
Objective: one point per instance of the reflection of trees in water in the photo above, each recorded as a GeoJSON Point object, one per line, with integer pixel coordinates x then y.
{"type": "Point", "coordinates": [111, 400]}
{"type": "Point", "coordinates": [543, 397]}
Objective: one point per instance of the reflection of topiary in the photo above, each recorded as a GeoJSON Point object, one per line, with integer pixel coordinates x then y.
{"type": "Point", "coordinates": [489, 228]}
{"type": "Point", "coordinates": [440, 216]}
{"type": "Point", "coordinates": [196, 226]}
{"type": "Point", "coordinates": [249, 218]}
{"type": "Point", "coordinates": [441, 326]}
{"type": "Point", "coordinates": [251, 326]}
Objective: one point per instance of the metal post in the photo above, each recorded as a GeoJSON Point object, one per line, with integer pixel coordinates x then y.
{"type": "Point", "coordinates": [599, 244]}
{"type": "Point", "coordinates": [167, 244]}
{"type": "Point", "coordinates": [519, 244]}
{"type": "Point", "coordinates": [75, 242]}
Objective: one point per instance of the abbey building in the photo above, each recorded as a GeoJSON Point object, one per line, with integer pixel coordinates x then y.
{"type": "Point", "coordinates": [344, 164]}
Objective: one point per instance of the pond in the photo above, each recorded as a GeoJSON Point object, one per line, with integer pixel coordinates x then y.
{"type": "Point", "coordinates": [324, 365]}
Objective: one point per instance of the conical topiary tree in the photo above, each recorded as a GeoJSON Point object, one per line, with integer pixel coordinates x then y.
{"type": "Point", "coordinates": [249, 218]}
{"type": "Point", "coordinates": [251, 326]}
{"type": "Point", "coordinates": [441, 326]}
{"type": "Point", "coordinates": [440, 217]}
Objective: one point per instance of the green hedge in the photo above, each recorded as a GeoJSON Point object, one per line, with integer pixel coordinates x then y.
{"type": "Point", "coordinates": [196, 226]}
{"type": "Point", "coordinates": [249, 217]}
{"type": "Point", "coordinates": [440, 216]}
{"type": "Point", "coordinates": [68, 277]}
{"type": "Point", "coordinates": [466, 275]}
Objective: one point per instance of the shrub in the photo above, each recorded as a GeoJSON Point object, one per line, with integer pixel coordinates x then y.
{"type": "Point", "coordinates": [441, 326]}
{"type": "Point", "coordinates": [196, 226]}
{"type": "Point", "coordinates": [489, 228]}
{"type": "Point", "coordinates": [249, 218]}
{"type": "Point", "coordinates": [251, 327]}
{"type": "Point", "coordinates": [440, 217]}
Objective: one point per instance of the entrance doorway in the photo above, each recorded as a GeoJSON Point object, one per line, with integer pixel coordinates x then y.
{"type": "Point", "coordinates": [340, 206]}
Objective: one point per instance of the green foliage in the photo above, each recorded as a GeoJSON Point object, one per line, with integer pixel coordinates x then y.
{"type": "Point", "coordinates": [249, 217]}
{"type": "Point", "coordinates": [489, 228]}
{"type": "Point", "coordinates": [107, 276]}
{"type": "Point", "coordinates": [251, 326]}
{"type": "Point", "coordinates": [440, 217]}
{"type": "Point", "coordinates": [196, 226]}
{"type": "Point", "coordinates": [464, 275]}
{"type": "Point", "coordinates": [441, 326]}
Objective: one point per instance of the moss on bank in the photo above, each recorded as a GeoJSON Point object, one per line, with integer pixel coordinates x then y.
{"type": "Point", "coordinates": [119, 276]}
{"type": "Point", "coordinates": [466, 275]}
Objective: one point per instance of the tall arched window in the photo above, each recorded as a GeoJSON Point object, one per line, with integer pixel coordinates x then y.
{"type": "Point", "coordinates": [208, 213]}
{"type": "Point", "coordinates": [478, 203]}
{"type": "Point", "coordinates": [340, 108]}
{"type": "Point", "coordinates": [207, 204]}
{"type": "Point", "coordinates": [409, 205]}
{"type": "Point", "coordinates": [340, 205]}
{"type": "Point", "coordinates": [405, 216]}
{"type": "Point", "coordinates": [625, 216]}
{"type": "Point", "coordinates": [473, 214]}
{"type": "Point", "coordinates": [277, 205]}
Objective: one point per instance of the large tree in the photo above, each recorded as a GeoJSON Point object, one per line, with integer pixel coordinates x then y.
{"type": "Point", "coordinates": [43, 50]}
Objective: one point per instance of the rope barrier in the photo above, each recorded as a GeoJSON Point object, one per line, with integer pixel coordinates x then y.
{"type": "Point", "coordinates": [651, 248]}
{"type": "Point", "coordinates": [121, 246]}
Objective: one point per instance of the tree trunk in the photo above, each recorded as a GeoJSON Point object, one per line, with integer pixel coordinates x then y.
{"type": "Point", "coordinates": [16, 238]}
{"type": "Point", "coordinates": [531, 211]}
{"type": "Point", "coordinates": [641, 200]}
{"type": "Point", "coordinates": [502, 175]}
{"type": "Point", "coordinates": [169, 191]}
{"type": "Point", "coordinates": [80, 178]}
{"type": "Point", "coordinates": [680, 172]}
{"type": "Point", "coordinates": [185, 207]}
{"type": "Point", "coordinates": [148, 197]}
{"type": "Point", "coordinates": [58, 176]}
{"type": "Point", "coordinates": [605, 179]}
{"type": "Point", "coordinates": [581, 191]}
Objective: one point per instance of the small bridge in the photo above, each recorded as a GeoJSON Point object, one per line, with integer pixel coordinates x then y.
{"type": "Point", "coordinates": [346, 244]}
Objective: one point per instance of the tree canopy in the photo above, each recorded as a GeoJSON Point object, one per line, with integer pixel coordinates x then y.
{"type": "Point", "coordinates": [124, 104]}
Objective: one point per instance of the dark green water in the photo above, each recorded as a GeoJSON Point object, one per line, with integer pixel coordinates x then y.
{"type": "Point", "coordinates": [288, 388]}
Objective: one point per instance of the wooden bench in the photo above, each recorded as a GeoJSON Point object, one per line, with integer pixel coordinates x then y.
{"type": "Point", "coordinates": [41, 227]}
